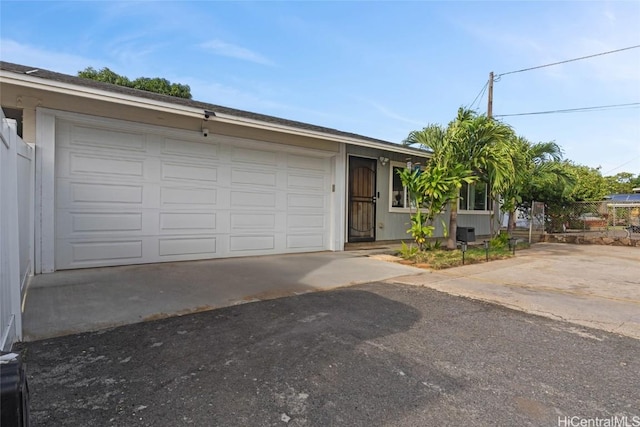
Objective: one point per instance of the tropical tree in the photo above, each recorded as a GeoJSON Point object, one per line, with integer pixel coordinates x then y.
{"type": "Point", "coordinates": [589, 185]}
{"type": "Point", "coordinates": [473, 144]}
{"type": "Point", "coordinates": [487, 146]}
{"type": "Point", "coordinates": [430, 190]}
{"type": "Point", "coordinates": [156, 84]}
{"type": "Point", "coordinates": [622, 182]}
{"type": "Point", "coordinates": [535, 165]}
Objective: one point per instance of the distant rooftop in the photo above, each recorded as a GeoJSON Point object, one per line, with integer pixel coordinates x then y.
{"type": "Point", "coordinates": [632, 197]}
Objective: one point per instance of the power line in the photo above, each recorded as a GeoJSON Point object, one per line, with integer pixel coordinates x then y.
{"type": "Point", "coordinates": [479, 95]}
{"type": "Point", "coordinates": [618, 167]}
{"type": "Point", "coordinates": [573, 110]}
{"type": "Point", "coordinates": [568, 60]}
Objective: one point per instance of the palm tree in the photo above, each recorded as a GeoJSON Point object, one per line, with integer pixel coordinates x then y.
{"type": "Point", "coordinates": [485, 146]}
{"type": "Point", "coordinates": [536, 163]}
{"type": "Point", "coordinates": [471, 142]}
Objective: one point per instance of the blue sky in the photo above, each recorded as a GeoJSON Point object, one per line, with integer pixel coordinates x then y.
{"type": "Point", "coordinates": [380, 69]}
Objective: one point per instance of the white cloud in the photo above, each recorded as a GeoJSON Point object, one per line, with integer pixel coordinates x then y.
{"type": "Point", "coordinates": [392, 115]}
{"type": "Point", "coordinates": [61, 62]}
{"type": "Point", "coordinates": [229, 96]}
{"type": "Point", "coordinates": [219, 47]}
{"type": "Point", "coordinates": [132, 49]}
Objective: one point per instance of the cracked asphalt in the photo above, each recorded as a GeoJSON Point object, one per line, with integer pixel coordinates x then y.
{"type": "Point", "coordinates": [379, 354]}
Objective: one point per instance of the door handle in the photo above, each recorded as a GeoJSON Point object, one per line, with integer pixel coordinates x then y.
{"type": "Point", "coordinates": [374, 199]}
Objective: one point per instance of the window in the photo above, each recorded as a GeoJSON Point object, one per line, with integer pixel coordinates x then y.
{"type": "Point", "coordinates": [399, 198]}
{"type": "Point", "coordinates": [474, 197]}
{"type": "Point", "coordinates": [398, 192]}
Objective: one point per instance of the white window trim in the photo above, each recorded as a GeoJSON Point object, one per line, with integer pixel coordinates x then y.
{"type": "Point", "coordinates": [474, 211]}
{"type": "Point", "coordinates": [468, 212]}
{"type": "Point", "coordinates": [393, 209]}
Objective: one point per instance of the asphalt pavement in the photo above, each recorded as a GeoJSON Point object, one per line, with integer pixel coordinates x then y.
{"type": "Point", "coordinates": [379, 354]}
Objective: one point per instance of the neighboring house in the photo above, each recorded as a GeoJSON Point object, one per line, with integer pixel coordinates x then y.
{"type": "Point", "coordinates": [128, 177]}
{"type": "Point", "coordinates": [623, 209]}
{"type": "Point", "coordinates": [624, 198]}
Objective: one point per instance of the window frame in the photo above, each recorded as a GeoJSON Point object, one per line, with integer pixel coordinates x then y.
{"type": "Point", "coordinates": [488, 207]}
{"type": "Point", "coordinates": [396, 209]}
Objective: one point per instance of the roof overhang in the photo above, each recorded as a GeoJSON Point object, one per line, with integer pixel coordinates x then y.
{"type": "Point", "coordinates": [96, 94]}
{"type": "Point", "coordinates": [38, 83]}
{"type": "Point", "coordinates": [225, 118]}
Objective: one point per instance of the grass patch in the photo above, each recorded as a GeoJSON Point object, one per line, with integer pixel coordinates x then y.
{"type": "Point", "coordinates": [439, 259]}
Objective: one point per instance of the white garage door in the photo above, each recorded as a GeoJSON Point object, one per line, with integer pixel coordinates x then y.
{"type": "Point", "coordinates": [132, 197]}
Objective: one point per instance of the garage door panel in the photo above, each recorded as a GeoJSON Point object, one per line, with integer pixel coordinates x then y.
{"type": "Point", "coordinates": [308, 242]}
{"type": "Point", "coordinates": [252, 221]}
{"type": "Point", "coordinates": [252, 243]}
{"type": "Point", "coordinates": [303, 222]}
{"type": "Point", "coordinates": [195, 173]}
{"type": "Point", "coordinates": [105, 165]}
{"type": "Point", "coordinates": [176, 197]}
{"type": "Point", "coordinates": [307, 163]}
{"type": "Point", "coordinates": [94, 224]}
{"type": "Point", "coordinates": [253, 177]}
{"type": "Point", "coordinates": [90, 222]}
{"type": "Point", "coordinates": [263, 158]}
{"type": "Point", "coordinates": [130, 198]}
{"type": "Point", "coordinates": [187, 246]}
{"type": "Point", "coordinates": [306, 201]}
{"type": "Point", "coordinates": [106, 138]}
{"type": "Point", "coordinates": [94, 193]}
{"type": "Point", "coordinates": [311, 183]}
{"type": "Point", "coordinates": [81, 253]}
{"type": "Point", "coordinates": [187, 222]}
{"type": "Point", "coordinates": [101, 166]}
{"type": "Point", "coordinates": [109, 251]}
{"type": "Point", "coordinates": [197, 150]}
{"type": "Point", "coordinates": [253, 199]}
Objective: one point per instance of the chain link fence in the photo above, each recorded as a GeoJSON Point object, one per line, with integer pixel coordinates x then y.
{"type": "Point", "coordinates": [530, 222]}
{"type": "Point", "coordinates": [603, 218]}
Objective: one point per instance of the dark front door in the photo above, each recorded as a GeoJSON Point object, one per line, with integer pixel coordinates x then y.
{"type": "Point", "coordinates": [362, 199]}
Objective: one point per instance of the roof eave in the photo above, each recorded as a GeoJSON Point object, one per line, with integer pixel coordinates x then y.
{"type": "Point", "coordinates": [315, 134]}
{"type": "Point", "coordinates": [97, 94]}
{"type": "Point", "coordinates": [10, 77]}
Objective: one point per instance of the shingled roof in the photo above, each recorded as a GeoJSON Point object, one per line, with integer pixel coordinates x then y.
{"type": "Point", "coordinates": [74, 80]}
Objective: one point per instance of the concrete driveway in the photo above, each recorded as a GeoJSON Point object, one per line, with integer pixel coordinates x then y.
{"type": "Point", "coordinates": [73, 301]}
{"type": "Point", "coordinates": [590, 285]}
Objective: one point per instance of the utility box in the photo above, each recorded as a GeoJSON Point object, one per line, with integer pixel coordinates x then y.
{"type": "Point", "coordinates": [466, 234]}
{"type": "Point", "coordinates": [14, 402]}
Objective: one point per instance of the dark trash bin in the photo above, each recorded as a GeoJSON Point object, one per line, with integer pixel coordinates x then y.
{"type": "Point", "coordinates": [466, 234]}
{"type": "Point", "coordinates": [14, 399]}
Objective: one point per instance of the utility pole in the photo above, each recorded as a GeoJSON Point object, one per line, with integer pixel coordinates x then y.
{"type": "Point", "coordinates": [490, 116]}
{"type": "Point", "coordinates": [490, 96]}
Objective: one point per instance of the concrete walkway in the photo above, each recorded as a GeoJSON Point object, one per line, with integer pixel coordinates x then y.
{"type": "Point", "coordinates": [72, 301]}
{"type": "Point", "coordinates": [590, 285]}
